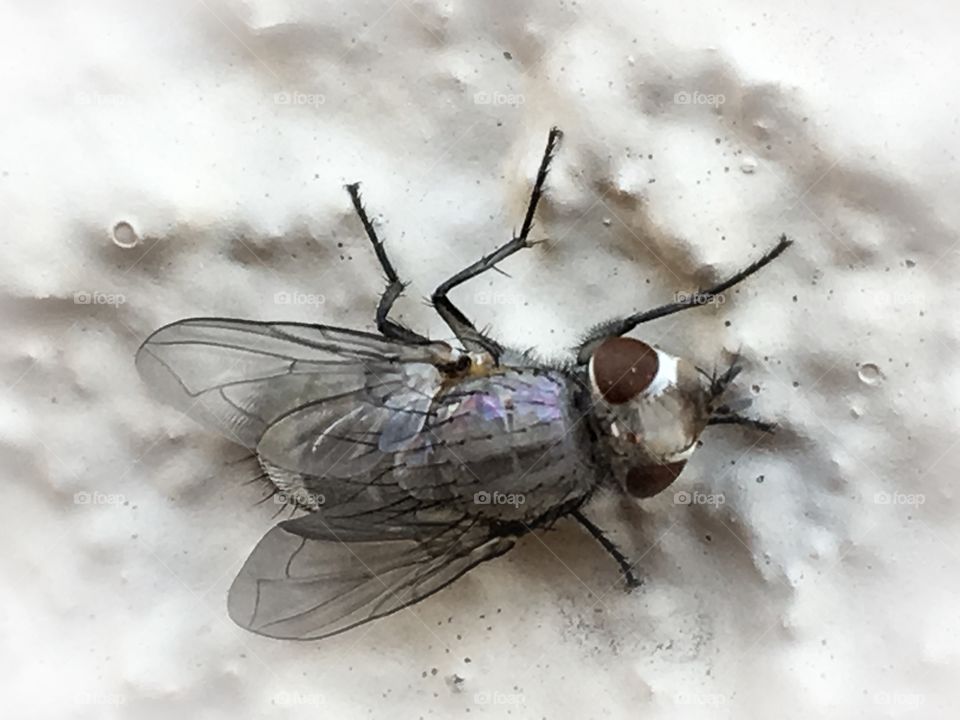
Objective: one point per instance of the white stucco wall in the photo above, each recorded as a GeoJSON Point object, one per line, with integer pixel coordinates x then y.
{"type": "Point", "coordinates": [222, 132]}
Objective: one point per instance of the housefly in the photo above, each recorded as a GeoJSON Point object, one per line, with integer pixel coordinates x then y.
{"type": "Point", "coordinates": [415, 460]}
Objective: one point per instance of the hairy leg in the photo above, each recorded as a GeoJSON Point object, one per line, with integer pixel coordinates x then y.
{"type": "Point", "coordinates": [388, 328]}
{"type": "Point", "coordinates": [622, 326]}
{"type": "Point", "coordinates": [625, 567]}
{"type": "Point", "coordinates": [472, 338]}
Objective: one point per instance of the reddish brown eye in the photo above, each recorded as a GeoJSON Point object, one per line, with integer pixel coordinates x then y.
{"type": "Point", "coordinates": [623, 368]}
{"type": "Point", "coordinates": [648, 480]}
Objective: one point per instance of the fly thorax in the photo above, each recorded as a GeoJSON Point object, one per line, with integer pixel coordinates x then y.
{"type": "Point", "coordinates": [650, 408]}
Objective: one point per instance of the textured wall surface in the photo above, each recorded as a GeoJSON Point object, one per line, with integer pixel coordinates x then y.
{"type": "Point", "coordinates": [812, 574]}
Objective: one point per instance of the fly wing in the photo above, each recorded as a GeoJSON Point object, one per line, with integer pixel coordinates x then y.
{"type": "Point", "coordinates": [502, 446]}
{"type": "Point", "coordinates": [400, 517]}
{"type": "Point", "coordinates": [237, 377]}
{"type": "Point", "coordinates": [344, 436]}
{"type": "Point", "coordinates": [394, 457]}
{"type": "Point", "coordinates": [305, 581]}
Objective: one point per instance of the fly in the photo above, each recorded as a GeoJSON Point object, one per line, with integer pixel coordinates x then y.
{"type": "Point", "coordinates": [415, 460]}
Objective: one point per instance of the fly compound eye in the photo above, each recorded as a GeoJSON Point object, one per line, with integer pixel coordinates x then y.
{"type": "Point", "coordinates": [622, 368]}
{"type": "Point", "coordinates": [648, 480]}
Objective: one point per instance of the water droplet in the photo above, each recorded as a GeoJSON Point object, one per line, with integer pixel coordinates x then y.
{"type": "Point", "coordinates": [124, 235]}
{"type": "Point", "coordinates": [870, 374]}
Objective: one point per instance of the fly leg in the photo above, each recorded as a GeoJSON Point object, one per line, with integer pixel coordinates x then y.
{"type": "Point", "coordinates": [733, 419]}
{"type": "Point", "coordinates": [702, 297]}
{"type": "Point", "coordinates": [728, 413]}
{"type": "Point", "coordinates": [625, 567]}
{"type": "Point", "coordinates": [388, 328]}
{"type": "Point", "coordinates": [473, 339]}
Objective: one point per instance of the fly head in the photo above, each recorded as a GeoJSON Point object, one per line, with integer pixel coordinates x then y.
{"type": "Point", "coordinates": [651, 408]}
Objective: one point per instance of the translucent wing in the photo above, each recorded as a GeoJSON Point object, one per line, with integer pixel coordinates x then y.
{"type": "Point", "coordinates": [493, 458]}
{"type": "Point", "coordinates": [398, 457]}
{"type": "Point", "coordinates": [503, 445]}
{"type": "Point", "coordinates": [299, 583]}
{"type": "Point", "coordinates": [237, 377]}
